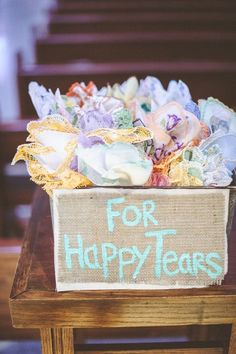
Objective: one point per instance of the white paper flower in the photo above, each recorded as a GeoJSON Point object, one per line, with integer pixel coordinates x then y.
{"type": "Point", "coordinates": [58, 142]}
{"type": "Point", "coordinates": [217, 115]}
{"type": "Point", "coordinates": [225, 144]}
{"type": "Point", "coordinates": [176, 91]}
{"type": "Point", "coordinates": [115, 164]}
{"type": "Point", "coordinates": [44, 101]}
{"type": "Point", "coordinates": [47, 103]}
{"type": "Point", "coordinates": [124, 92]}
{"type": "Point", "coordinates": [50, 153]}
{"type": "Point", "coordinates": [215, 172]}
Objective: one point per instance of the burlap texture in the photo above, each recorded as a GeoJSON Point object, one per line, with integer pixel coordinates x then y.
{"type": "Point", "coordinates": [199, 217]}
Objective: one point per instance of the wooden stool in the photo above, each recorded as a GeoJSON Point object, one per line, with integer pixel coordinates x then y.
{"type": "Point", "coordinates": [34, 303]}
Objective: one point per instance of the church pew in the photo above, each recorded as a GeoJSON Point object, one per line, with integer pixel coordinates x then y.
{"type": "Point", "coordinates": [215, 79]}
{"type": "Point", "coordinates": [142, 22]}
{"type": "Point", "coordinates": [172, 4]}
{"type": "Point", "coordinates": [140, 46]}
{"type": "Point", "coordinates": [15, 186]}
{"type": "Point", "coordinates": [147, 5]}
{"type": "Point", "coordinates": [9, 253]}
{"type": "Point", "coordinates": [11, 135]}
{"type": "Point", "coordinates": [14, 190]}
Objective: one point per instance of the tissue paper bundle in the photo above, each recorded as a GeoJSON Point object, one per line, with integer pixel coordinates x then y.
{"type": "Point", "coordinates": [133, 134]}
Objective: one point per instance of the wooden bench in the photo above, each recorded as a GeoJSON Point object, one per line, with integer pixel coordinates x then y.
{"type": "Point", "coordinates": [205, 79]}
{"type": "Point", "coordinates": [62, 316]}
{"type": "Point", "coordinates": [145, 22]}
{"type": "Point", "coordinates": [113, 47]}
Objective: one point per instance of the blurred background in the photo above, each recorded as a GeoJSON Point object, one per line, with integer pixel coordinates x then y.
{"type": "Point", "coordinates": [58, 42]}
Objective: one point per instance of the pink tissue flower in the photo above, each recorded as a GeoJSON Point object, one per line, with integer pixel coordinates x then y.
{"type": "Point", "coordinates": [158, 180]}
{"type": "Point", "coordinates": [173, 128]}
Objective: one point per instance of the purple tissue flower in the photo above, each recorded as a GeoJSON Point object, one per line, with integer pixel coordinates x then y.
{"type": "Point", "coordinates": [95, 119]}
{"type": "Point", "coordinates": [172, 121]}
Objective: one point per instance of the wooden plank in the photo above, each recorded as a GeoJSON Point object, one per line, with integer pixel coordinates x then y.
{"type": "Point", "coordinates": [67, 340]}
{"type": "Point", "coordinates": [128, 47]}
{"type": "Point", "coordinates": [169, 3]}
{"type": "Point", "coordinates": [152, 335]}
{"type": "Point", "coordinates": [157, 351]}
{"type": "Point", "coordinates": [8, 263]}
{"type": "Point", "coordinates": [158, 17]}
{"type": "Point", "coordinates": [23, 269]}
{"type": "Point", "coordinates": [46, 341]}
{"type": "Point", "coordinates": [148, 5]}
{"type": "Point", "coordinates": [57, 341]}
{"type": "Point", "coordinates": [11, 135]}
{"type": "Point", "coordinates": [232, 343]}
{"type": "Point", "coordinates": [161, 311]}
{"type": "Point", "coordinates": [139, 22]}
{"type": "Point", "coordinates": [15, 189]}
{"type": "Point", "coordinates": [9, 253]}
{"type": "Point", "coordinates": [149, 335]}
{"type": "Point", "coordinates": [218, 77]}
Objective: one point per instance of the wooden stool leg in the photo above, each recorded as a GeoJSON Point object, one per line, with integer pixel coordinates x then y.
{"type": "Point", "coordinates": [232, 344]}
{"type": "Point", "coordinates": [57, 341]}
{"type": "Point", "coordinates": [46, 341]}
{"type": "Point", "coordinates": [68, 341]}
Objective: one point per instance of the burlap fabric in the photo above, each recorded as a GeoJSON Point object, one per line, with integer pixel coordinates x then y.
{"type": "Point", "coordinates": [198, 216]}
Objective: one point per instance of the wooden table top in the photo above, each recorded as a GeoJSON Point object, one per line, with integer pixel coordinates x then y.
{"type": "Point", "coordinates": [33, 289]}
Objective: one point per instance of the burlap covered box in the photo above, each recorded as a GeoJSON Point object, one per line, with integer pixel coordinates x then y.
{"type": "Point", "coordinates": [141, 238]}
